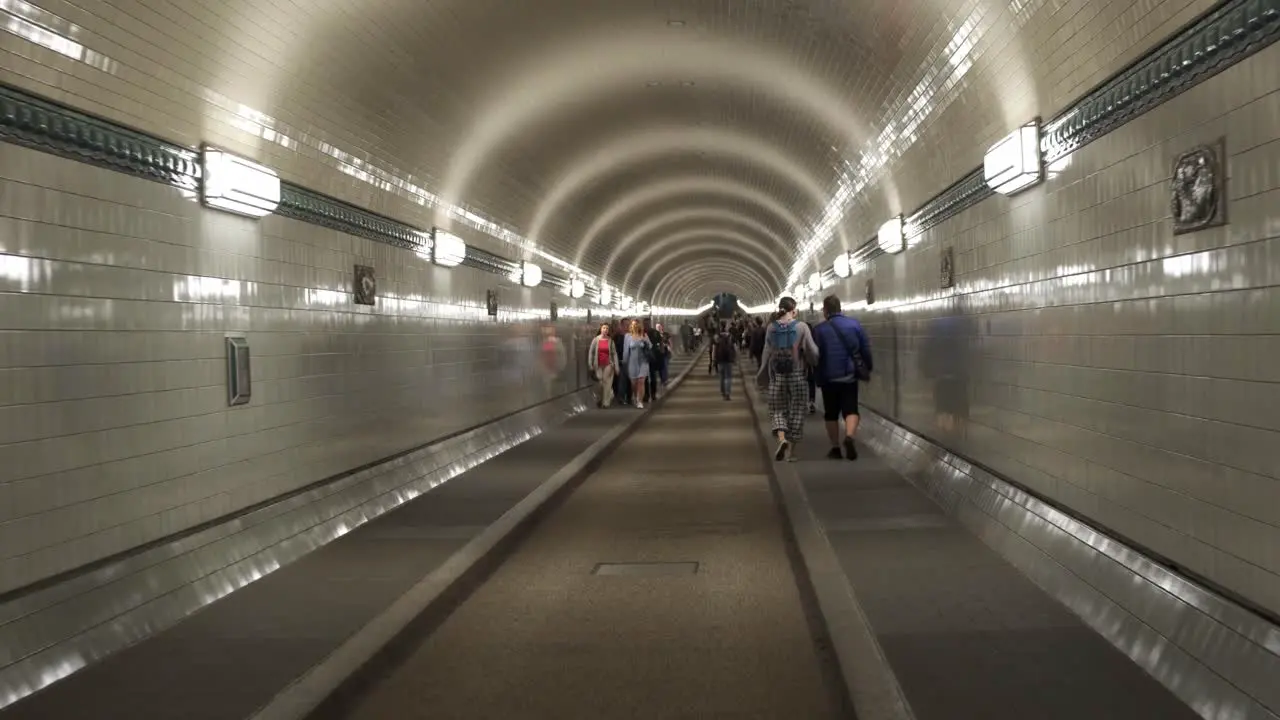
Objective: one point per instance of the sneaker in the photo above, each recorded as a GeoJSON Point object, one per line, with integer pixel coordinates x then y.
{"type": "Point", "coordinates": [850, 451]}
{"type": "Point", "coordinates": [813, 409]}
{"type": "Point", "coordinates": [784, 449]}
{"type": "Point", "coordinates": [639, 406]}
{"type": "Point", "coordinates": [835, 454]}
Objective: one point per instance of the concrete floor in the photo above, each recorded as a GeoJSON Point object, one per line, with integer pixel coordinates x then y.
{"type": "Point", "coordinates": [548, 637]}
{"type": "Point", "coordinates": [966, 633]}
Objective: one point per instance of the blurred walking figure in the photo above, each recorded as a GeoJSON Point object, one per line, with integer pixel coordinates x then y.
{"type": "Point", "coordinates": [603, 361]}
{"type": "Point", "coordinates": [788, 349]}
{"type": "Point", "coordinates": [636, 355]}
{"type": "Point", "coordinates": [726, 353]}
{"type": "Point", "coordinates": [553, 359]}
{"type": "Point", "coordinates": [665, 350]}
{"type": "Point", "coordinates": [756, 342]}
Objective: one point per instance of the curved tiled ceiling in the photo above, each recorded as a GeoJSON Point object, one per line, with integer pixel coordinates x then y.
{"type": "Point", "coordinates": [632, 138]}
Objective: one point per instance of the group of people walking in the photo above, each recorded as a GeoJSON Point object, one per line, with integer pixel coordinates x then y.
{"type": "Point", "coordinates": [630, 361]}
{"type": "Point", "coordinates": [834, 355]}
{"type": "Point", "coordinates": [794, 361]}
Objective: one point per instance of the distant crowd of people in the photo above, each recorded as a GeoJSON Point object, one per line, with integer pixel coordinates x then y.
{"type": "Point", "coordinates": [631, 361]}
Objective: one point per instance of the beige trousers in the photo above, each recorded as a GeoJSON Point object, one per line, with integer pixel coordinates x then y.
{"type": "Point", "coordinates": [606, 385]}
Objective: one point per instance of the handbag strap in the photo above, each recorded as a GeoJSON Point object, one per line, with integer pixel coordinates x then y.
{"type": "Point", "coordinates": [855, 354]}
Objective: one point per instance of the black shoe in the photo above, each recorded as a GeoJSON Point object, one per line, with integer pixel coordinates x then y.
{"type": "Point", "coordinates": [781, 453]}
{"type": "Point", "coordinates": [850, 451]}
{"type": "Point", "coordinates": [835, 454]}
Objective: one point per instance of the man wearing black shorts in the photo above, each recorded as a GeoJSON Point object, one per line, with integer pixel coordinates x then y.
{"type": "Point", "coordinates": [844, 354]}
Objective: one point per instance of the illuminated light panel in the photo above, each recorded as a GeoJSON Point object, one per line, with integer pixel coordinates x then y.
{"type": "Point", "coordinates": [1014, 163]}
{"type": "Point", "coordinates": [890, 238]}
{"type": "Point", "coordinates": [840, 266]}
{"type": "Point", "coordinates": [447, 250]}
{"type": "Point", "coordinates": [577, 288]}
{"type": "Point", "coordinates": [237, 185]}
{"type": "Point", "coordinates": [530, 275]}
{"type": "Point", "coordinates": [815, 282]}
{"type": "Point", "coordinates": [606, 295]}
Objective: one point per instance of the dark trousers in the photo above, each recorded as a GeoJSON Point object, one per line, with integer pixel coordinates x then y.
{"type": "Point", "coordinates": [622, 385]}
{"type": "Point", "coordinates": [726, 379]}
{"type": "Point", "coordinates": [813, 386]}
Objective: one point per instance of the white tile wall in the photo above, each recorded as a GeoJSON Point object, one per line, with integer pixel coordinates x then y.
{"type": "Point", "coordinates": [1090, 354]}
{"type": "Point", "coordinates": [115, 298]}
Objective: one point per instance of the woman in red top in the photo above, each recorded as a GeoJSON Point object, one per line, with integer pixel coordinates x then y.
{"type": "Point", "coordinates": [603, 361]}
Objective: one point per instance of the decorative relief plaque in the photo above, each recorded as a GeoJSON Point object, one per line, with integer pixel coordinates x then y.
{"type": "Point", "coordinates": [366, 286]}
{"type": "Point", "coordinates": [555, 311]}
{"type": "Point", "coordinates": [871, 291]}
{"type": "Point", "coordinates": [491, 302]}
{"type": "Point", "coordinates": [1197, 192]}
{"type": "Point", "coordinates": [947, 267]}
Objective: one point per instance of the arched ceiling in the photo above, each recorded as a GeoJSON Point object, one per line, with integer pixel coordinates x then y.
{"type": "Point", "coordinates": [638, 138]}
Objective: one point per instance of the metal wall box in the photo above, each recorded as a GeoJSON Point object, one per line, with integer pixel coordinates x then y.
{"type": "Point", "coordinates": [239, 375]}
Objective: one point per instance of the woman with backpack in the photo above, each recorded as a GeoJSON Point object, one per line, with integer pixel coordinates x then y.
{"type": "Point", "coordinates": [636, 354]}
{"type": "Point", "coordinates": [788, 350]}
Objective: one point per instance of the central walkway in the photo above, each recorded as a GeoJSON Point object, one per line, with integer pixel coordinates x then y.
{"type": "Point", "coordinates": [574, 624]}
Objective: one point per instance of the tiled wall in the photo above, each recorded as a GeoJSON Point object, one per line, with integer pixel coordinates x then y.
{"type": "Point", "coordinates": [115, 298]}
{"type": "Point", "coordinates": [1089, 354]}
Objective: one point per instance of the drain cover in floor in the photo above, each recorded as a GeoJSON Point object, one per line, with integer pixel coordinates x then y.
{"type": "Point", "coordinates": [646, 568]}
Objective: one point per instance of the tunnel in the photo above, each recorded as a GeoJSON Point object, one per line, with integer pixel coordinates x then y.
{"type": "Point", "coordinates": [796, 359]}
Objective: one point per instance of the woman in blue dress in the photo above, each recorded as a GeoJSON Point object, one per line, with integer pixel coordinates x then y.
{"type": "Point", "coordinates": [636, 352]}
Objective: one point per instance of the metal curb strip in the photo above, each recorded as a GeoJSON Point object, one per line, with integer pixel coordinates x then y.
{"type": "Point", "coordinates": [309, 691]}
{"type": "Point", "coordinates": [870, 682]}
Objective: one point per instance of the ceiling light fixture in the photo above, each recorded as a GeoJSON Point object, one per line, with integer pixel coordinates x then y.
{"type": "Point", "coordinates": [447, 250]}
{"type": "Point", "coordinates": [890, 237]}
{"type": "Point", "coordinates": [841, 266]}
{"type": "Point", "coordinates": [1014, 163]}
{"type": "Point", "coordinates": [238, 185]}
{"type": "Point", "coordinates": [531, 275]}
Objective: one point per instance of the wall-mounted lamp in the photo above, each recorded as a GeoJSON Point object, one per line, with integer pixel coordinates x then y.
{"type": "Point", "coordinates": [577, 288]}
{"type": "Point", "coordinates": [841, 266]}
{"type": "Point", "coordinates": [447, 250]}
{"type": "Point", "coordinates": [815, 282]}
{"type": "Point", "coordinates": [890, 238]}
{"type": "Point", "coordinates": [1014, 163]}
{"type": "Point", "coordinates": [606, 295]}
{"type": "Point", "coordinates": [530, 274]}
{"type": "Point", "coordinates": [237, 185]}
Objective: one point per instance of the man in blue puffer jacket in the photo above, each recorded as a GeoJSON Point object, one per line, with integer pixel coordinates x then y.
{"type": "Point", "coordinates": [844, 354]}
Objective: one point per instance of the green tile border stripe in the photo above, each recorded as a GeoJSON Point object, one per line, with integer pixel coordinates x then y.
{"type": "Point", "coordinates": [53, 128]}
{"type": "Point", "coordinates": [1220, 38]}
{"type": "Point", "coordinates": [301, 204]}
